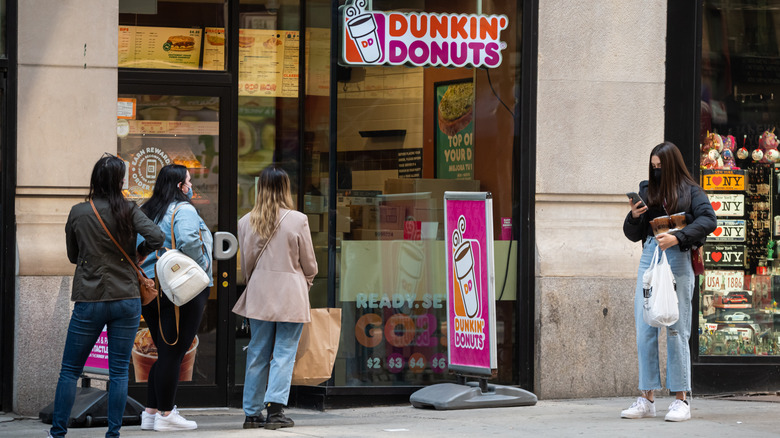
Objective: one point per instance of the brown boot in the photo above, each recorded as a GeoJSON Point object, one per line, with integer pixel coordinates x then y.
{"type": "Point", "coordinates": [276, 417]}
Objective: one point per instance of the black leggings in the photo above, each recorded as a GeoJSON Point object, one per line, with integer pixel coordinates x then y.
{"type": "Point", "coordinates": [164, 374]}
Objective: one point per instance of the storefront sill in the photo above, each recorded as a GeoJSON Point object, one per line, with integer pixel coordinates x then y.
{"type": "Point", "coordinates": [339, 397]}
{"type": "Point", "coordinates": [719, 378]}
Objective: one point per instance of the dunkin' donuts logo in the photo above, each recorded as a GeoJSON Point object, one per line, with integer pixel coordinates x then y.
{"type": "Point", "coordinates": [442, 40]}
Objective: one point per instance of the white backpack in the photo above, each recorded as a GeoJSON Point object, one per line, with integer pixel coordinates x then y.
{"type": "Point", "coordinates": [180, 277]}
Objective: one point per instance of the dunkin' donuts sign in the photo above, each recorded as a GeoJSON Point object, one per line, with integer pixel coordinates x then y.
{"type": "Point", "coordinates": [420, 38]}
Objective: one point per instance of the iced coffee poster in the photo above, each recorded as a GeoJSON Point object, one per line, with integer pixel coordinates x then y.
{"type": "Point", "coordinates": [159, 47]}
{"type": "Point", "coordinates": [470, 305]}
{"type": "Point", "coordinates": [268, 62]}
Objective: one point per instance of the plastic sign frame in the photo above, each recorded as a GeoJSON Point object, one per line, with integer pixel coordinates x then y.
{"type": "Point", "coordinates": [419, 38]}
{"type": "Point", "coordinates": [471, 304]}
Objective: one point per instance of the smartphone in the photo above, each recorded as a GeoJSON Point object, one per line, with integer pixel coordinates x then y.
{"type": "Point", "coordinates": [634, 197]}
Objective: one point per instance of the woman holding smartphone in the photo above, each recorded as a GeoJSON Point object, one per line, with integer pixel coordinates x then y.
{"type": "Point", "coordinates": [669, 189]}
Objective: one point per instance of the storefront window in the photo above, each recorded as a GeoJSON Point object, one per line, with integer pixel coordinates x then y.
{"type": "Point", "coordinates": [181, 34]}
{"type": "Point", "coordinates": [407, 134]}
{"type": "Point", "coordinates": [740, 110]}
{"type": "Point", "coordinates": [154, 131]}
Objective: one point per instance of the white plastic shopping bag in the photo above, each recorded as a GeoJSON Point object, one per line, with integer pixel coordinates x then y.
{"type": "Point", "coordinates": [660, 291]}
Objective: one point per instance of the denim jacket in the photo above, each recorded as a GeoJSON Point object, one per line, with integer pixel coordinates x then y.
{"type": "Point", "coordinates": [187, 224]}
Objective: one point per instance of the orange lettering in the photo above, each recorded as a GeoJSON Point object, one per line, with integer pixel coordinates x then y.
{"type": "Point", "coordinates": [418, 25]}
{"type": "Point", "coordinates": [488, 26]}
{"type": "Point", "coordinates": [397, 24]}
{"type": "Point", "coordinates": [458, 27]}
{"type": "Point", "coordinates": [438, 26]}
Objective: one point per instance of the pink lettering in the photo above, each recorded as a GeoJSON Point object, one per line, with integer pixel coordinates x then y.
{"type": "Point", "coordinates": [439, 53]}
{"type": "Point", "coordinates": [397, 52]}
{"type": "Point", "coordinates": [459, 59]}
{"type": "Point", "coordinates": [418, 52]}
{"type": "Point", "coordinates": [492, 55]}
{"type": "Point", "coordinates": [476, 49]}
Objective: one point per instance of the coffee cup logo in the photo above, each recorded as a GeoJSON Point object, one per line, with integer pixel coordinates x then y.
{"type": "Point", "coordinates": [362, 29]}
{"type": "Point", "coordinates": [463, 261]}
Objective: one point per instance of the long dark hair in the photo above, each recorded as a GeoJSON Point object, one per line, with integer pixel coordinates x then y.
{"type": "Point", "coordinates": [675, 183]}
{"type": "Point", "coordinates": [166, 190]}
{"type": "Point", "coordinates": [106, 182]}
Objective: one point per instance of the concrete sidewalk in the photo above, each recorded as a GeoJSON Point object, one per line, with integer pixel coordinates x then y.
{"type": "Point", "coordinates": [596, 417]}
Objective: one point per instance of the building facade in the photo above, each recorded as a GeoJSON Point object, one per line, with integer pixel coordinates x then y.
{"type": "Point", "coordinates": [557, 130]}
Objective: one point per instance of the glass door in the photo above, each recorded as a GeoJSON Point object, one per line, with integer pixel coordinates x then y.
{"type": "Point", "coordinates": [181, 125]}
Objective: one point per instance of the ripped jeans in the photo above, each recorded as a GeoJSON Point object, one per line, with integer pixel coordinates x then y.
{"type": "Point", "coordinates": [678, 354]}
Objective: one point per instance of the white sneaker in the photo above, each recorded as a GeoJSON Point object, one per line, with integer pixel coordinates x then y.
{"type": "Point", "coordinates": [678, 411]}
{"type": "Point", "coordinates": [147, 420]}
{"type": "Point", "coordinates": [173, 421]}
{"type": "Point", "coordinates": [641, 408]}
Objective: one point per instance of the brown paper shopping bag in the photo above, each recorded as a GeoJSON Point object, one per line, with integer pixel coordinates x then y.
{"type": "Point", "coordinates": [318, 347]}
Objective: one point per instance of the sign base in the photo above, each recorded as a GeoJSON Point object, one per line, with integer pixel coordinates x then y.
{"type": "Point", "coordinates": [446, 396]}
{"type": "Point", "coordinates": [91, 410]}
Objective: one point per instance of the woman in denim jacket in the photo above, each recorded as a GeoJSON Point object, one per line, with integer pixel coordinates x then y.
{"type": "Point", "coordinates": [172, 191]}
{"type": "Point", "coordinates": [670, 190]}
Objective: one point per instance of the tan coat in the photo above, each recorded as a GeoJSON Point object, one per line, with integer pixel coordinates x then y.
{"type": "Point", "coordinates": [277, 284]}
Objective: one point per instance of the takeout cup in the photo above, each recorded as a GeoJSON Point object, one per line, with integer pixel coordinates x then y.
{"type": "Point", "coordinates": [661, 224]}
{"type": "Point", "coordinates": [142, 363]}
{"type": "Point", "coordinates": [678, 221]}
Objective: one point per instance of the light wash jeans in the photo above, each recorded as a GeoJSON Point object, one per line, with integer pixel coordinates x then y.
{"type": "Point", "coordinates": [86, 324]}
{"type": "Point", "coordinates": [678, 354]}
{"type": "Point", "coordinates": [269, 339]}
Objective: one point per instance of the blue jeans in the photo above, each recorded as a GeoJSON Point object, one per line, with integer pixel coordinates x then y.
{"type": "Point", "coordinates": [86, 324]}
{"type": "Point", "coordinates": [678, 354]}
{"type": "Point", "coordinates": [269, 338]}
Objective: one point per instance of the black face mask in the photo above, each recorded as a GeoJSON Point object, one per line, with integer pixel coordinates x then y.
{"type": "Point", "coordinates": [656, 175]}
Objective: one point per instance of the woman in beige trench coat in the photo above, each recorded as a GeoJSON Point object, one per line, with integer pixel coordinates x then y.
{"type": "Point", "coordinates": [277, 259]}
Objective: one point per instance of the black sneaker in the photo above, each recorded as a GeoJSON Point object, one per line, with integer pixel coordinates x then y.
{"type": "Point", "coordinates": [276, 417]}
{"type": "Point", "coordinates": [254, 422]}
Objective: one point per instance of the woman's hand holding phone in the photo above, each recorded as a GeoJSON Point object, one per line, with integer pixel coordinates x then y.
{"type": "Point", "coordinates": [638, 207]}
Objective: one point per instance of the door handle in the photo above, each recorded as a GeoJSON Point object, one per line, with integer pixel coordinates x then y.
{"type": "Point", "coordinates": [220, 251]}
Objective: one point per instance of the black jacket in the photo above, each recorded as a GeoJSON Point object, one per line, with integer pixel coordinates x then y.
{"type": "Point", "coordinates": [699, 215]}
{"type": "Point", "coordinates": [102, 272]}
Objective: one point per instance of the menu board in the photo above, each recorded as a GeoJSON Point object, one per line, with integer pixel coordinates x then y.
{"type": "Point", "coordinates": [268, 62]}
{"type": "Point", "coordinates": [159, 47]}
{"type": "Point", "coordinates": [214, 49]}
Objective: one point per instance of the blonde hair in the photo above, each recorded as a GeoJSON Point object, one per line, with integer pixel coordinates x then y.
{"type": "Point", "coordinates": [273, 194]}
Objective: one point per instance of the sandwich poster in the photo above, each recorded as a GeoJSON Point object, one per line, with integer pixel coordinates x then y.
{"type": "Point", "coordinates": [454, 133]}
{"type": "Point", "coordinates": [159, 47]}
